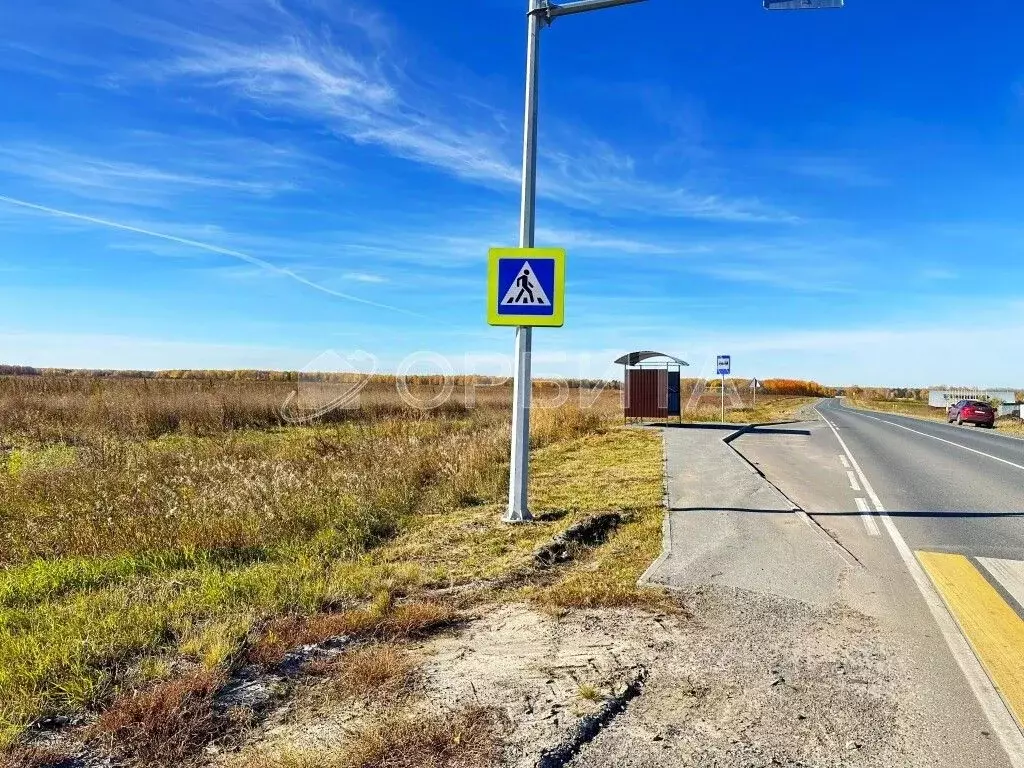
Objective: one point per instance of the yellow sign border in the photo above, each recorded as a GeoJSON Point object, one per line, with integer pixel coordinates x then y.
{"type": "Point", "coordinates": [554, 320]}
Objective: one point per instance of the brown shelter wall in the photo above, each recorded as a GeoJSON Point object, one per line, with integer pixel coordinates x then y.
{"type": "Point", "coordinates": [646, 393]}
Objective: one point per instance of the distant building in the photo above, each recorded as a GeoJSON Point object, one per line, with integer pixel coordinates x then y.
{"type": "Point", "coordinates": [943, 398]}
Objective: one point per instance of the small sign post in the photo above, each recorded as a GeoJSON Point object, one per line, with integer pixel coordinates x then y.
{"type": "Point", "coordinates": [724, 369]}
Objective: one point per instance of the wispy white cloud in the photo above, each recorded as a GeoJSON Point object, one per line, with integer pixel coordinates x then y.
{"type": "Point", "coordinates": [347, 79]}
{"type": "Point", "coordinates": [349, 72]}
{"type": "Point", "coordinates": [597, 178]}
{"type": "Point", "coordinates": [788, 276]}
{"type": "Point", "coordinates": [836, 170]}
{"type": "Point", "coordinates": [254, 261]}
{"type": "Point", "coordinates": [591, 239]}
{"type": "Point", "coordinates": [364, 277]}
{"type": "Point", "coordinates": [122, 180]}
{"type": "Point", "coordinates": [938, 274]}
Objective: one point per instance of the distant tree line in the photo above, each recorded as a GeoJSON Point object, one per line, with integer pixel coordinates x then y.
{"type": "Point", "coordinates": [781, 387]}
{"type": "Point", "coordinates": [797, 387]}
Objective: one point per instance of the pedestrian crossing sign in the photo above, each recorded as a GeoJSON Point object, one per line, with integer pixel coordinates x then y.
{"type": "Point", "coordinates": [526, 286]}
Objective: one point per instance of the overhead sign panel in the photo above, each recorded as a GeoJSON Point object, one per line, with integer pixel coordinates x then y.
{"type": "Point", "coordinates": [526, 286]}
{"type": "Point", "coordinates": [801, 5]}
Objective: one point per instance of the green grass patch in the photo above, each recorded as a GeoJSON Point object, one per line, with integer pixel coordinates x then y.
{"type": "Point", "coordinates": [621, 470]}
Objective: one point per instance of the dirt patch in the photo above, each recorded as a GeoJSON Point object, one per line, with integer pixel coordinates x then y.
{"type": "Point", "coordinates": [750, 681]}
{"type": "Point", "coordinates": [589, 532]}
{"type": "Point", "coordinates": [528, 665]}
{"type": "Point", "coordinates": [590, 725]}
{"type": "Point", "coordinates": [765, 681]}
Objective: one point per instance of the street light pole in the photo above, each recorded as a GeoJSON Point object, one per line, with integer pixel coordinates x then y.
{"type": "Point", "coordinates": [518, 510]}
{"type": "Point", "coordinates": [541, 13]}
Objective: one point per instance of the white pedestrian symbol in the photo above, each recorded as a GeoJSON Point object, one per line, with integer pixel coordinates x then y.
{"type": "Point", "coordinates": [526, 289]}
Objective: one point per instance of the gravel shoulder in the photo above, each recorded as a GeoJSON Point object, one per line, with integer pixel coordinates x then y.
{"type": "Point", "coordinates": [743, 680]}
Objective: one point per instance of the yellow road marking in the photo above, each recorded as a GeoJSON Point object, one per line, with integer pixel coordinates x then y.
{"type": "Point", "coordinates": [993, 628]}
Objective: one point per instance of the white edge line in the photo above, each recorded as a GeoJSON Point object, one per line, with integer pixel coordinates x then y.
{"type": "Point", "coordinates": [943, 440]}
{"type": "Point", "coordinates": [857, 409]}
{"type": "Point", "coordinates": [999, 716]}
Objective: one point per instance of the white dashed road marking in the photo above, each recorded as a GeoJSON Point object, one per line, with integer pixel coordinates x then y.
{"type": "Point", "coordinates": [853, 481]}
{"type": "Point", "coordinates": [867, 517]}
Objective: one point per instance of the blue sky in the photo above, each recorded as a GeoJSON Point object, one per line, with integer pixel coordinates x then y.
{"type": "Point", "coordinates": [283, 183]}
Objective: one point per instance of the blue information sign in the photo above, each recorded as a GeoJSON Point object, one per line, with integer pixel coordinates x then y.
{"type": "Point", "coordinates": [724, 365]}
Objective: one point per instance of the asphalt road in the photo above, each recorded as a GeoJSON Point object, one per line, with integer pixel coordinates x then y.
{"type": "Point", "coordinates": [934, 515]}
{"type": "Point", "coordinates": [947, 488]}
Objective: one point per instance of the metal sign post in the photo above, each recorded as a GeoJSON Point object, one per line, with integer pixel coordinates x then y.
{"type": "Point", "coordinates": [525, 288]}
{"type": "Point", "coordinates": [522, 382]}
{"type": "Point", "coordinates": [541, 13]}
{"type": "Point", "coordinates": [724, 369]}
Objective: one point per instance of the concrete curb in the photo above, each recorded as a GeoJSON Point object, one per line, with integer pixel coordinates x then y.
{"type": "Point", "coordinates": [666, 529]}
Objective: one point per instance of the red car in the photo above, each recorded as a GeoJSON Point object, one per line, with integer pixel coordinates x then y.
{"type": "Point", "coordinates": [972, 412]}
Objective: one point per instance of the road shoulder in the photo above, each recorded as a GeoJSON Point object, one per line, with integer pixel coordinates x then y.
{"type": "Point", "coordinates": [815, 472]}
{"type": "Point", "coordinates": [727, 526]}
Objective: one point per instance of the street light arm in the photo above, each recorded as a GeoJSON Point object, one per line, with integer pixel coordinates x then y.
{"type": "Point", "coordinates": [582, 6]}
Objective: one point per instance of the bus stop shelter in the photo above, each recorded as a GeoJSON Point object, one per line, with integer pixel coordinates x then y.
{"type": "Point", "coordinates": [651, 385]}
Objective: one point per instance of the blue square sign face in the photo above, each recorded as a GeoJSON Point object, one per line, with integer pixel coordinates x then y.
{"type": "Point", "coordinates": [724, 365]}
{"type": "Point", "coordinates": [526, 286]}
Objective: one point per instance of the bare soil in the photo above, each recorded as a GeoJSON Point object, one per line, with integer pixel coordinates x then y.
{"type": "Point", "coordinates": [740, 679]}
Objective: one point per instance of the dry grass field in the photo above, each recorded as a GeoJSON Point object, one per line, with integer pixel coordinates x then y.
{"type": "Point", "coordinates": [159, 534]}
